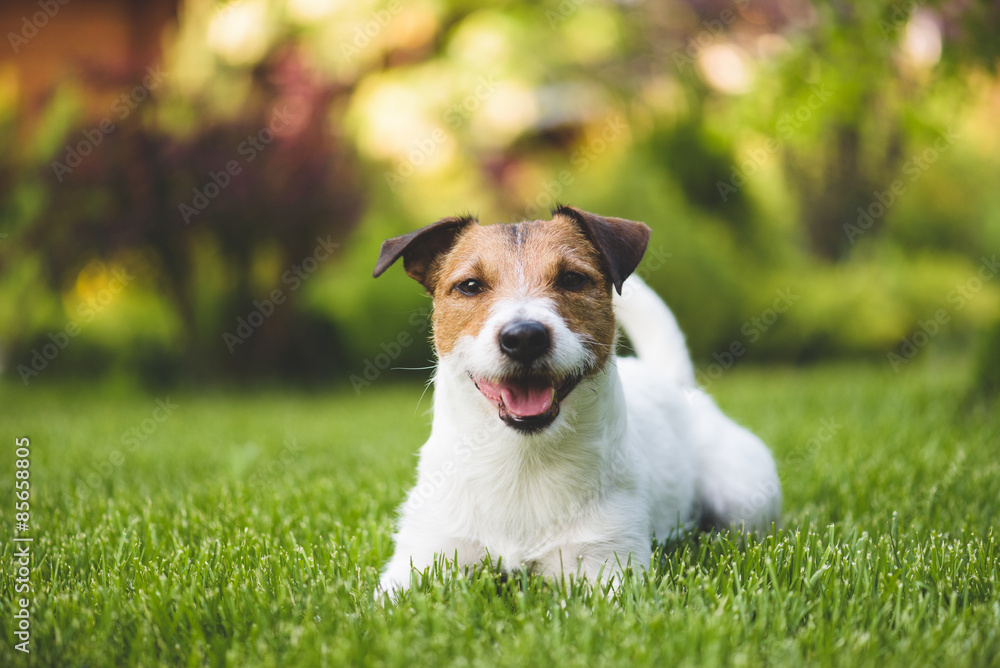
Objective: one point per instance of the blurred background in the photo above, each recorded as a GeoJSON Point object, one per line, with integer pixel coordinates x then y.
{"type": "Point", "coordinates": [195, 191]}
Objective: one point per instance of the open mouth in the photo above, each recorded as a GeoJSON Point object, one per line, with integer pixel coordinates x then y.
{"type": "Point", "coordinates": [527, 404]}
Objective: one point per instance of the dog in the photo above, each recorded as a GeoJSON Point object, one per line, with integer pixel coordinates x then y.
{"type": "Point", "coordinates": [549, 453]}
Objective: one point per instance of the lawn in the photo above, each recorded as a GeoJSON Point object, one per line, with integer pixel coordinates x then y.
{"type": "Point", "coordinates": [248, 528]}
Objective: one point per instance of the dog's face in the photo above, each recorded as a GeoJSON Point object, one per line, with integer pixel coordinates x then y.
{"type": "Point", "coordinates": [524, 310]}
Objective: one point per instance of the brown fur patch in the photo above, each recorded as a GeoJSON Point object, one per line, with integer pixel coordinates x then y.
{"type": "Point", "coordinates": [523, 260]}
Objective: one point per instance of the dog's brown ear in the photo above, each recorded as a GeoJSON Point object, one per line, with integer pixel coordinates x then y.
{"type": "Point", "coordinates": [420, 249]}
{"type": "Point", "coordinates": [620, 242]}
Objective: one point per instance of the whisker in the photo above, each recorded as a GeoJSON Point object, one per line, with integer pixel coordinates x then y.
{"type": "Point", "coordinates": [427, 386]}
{"type": "Point", "coordinates": [589, 340]}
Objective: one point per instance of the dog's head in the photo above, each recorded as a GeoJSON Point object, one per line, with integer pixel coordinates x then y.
{"type": "Point", "coordinates": [524, 310]}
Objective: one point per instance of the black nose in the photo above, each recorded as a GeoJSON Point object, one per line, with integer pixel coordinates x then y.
{"type": "Point", "coordinates": [525, 340]}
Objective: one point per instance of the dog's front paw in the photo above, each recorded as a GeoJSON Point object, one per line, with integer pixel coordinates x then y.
{"type": "Point", "coordinates": [389, 589]}
{"type": "Point", "coordinates": [396, 579]}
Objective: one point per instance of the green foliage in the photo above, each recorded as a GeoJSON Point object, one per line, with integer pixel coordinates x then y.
{"type": "Point", "coordinates": [988, 380]}
{"type": "Point", "coordinates": [770, 147]}
{"type": "Point", "coordinates": [249, 529]}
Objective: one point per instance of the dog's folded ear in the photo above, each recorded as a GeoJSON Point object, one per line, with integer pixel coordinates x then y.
{"type": "Point", "coordinates": [421, 248]}
{"type": "Point", "coordinates": [621, 243]}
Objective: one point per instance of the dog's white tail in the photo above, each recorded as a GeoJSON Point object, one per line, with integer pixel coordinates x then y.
{"type": "Point", "coordinates": [653, 331]}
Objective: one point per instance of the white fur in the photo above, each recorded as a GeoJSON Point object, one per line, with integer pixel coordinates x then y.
{"type": "Point", "coordinates": [636, 452]}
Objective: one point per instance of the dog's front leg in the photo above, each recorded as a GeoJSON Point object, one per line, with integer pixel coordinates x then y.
{"type": "Point", "coordinates": [399, 572]}
{"type": "Point", "coordinates": [413, 558]}
{"type": "Point", "coordinates": [598, 564]}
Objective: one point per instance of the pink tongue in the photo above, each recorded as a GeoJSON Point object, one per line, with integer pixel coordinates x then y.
{"type": "Point", "coordinates": [526, 400]}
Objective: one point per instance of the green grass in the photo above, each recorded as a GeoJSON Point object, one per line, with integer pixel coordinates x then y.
{"type": "Point", "coordinates": [201, 546]}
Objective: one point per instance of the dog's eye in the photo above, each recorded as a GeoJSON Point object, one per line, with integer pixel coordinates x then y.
{"type": "Point", "coordinates": [572, 280]}
{"type": "Point", "coordinates": [470, 287]}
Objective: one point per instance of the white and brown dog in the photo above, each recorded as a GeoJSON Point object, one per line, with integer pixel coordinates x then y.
{"type": "Point", "coordinates": [548, 453]}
